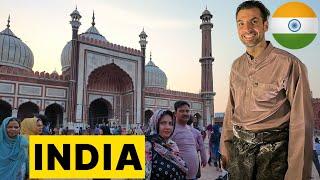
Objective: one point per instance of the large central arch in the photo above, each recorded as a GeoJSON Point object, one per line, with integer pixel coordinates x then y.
{"type": "Point", "coordinates": [113, 81]}
{"type": "Point", "coordinates": [100, 111]}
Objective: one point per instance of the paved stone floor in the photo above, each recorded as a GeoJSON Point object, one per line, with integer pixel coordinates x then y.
{"type": "Point", "coordinates": [209, 173]}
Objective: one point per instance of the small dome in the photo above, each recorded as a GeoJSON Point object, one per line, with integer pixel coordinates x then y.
{"type": "Point", "coordinates": [206, 13]}
{"type": "Point", "coordinates": [75, 13]}
{"type": "Point", "coordinates": [14, 52]}
{"type": "Point", "coordinates": [154, 76]}
{"type": "Point", "coordinates": [143, 34]}
{"type": "Point", "coordinates": [93, 33]}
{"type": "Point", "coordinates": [66, 56]}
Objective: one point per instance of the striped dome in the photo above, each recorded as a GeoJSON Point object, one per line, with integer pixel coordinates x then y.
{"type": "Point", "coordinates": [14, 52]}
{"type": "Point", "coordinates": [154, 76]}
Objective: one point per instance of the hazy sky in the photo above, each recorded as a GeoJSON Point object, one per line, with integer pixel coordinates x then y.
{"type": "Point", "coordinates": [172, 27]}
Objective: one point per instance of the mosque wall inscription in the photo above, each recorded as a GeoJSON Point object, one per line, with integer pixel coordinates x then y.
{"type": "Point", "coordinates": [30, 90]}
{"type": "Point", "coordinates": [56, 92]}
{"type": "Point", "coordinates": [7, 88]}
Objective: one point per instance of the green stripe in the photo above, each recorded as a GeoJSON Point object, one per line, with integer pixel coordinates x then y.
{"type": "Point", "coordinates": [294, 41]}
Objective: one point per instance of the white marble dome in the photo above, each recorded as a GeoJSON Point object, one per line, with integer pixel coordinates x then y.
{"type": "Point", "coordinates": [14, 52]}
{"type": "Point", "coordinates": [66, 56]}
{"type": "Point", "coordinates": [154, 76]}
{"type": "Point", "coordinates": [91, 33]}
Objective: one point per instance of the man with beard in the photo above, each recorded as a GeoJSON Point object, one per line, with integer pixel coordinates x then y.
{"type": "Point", "coordinates": [268, 125]}
{"type": "Point", "coordinates": [183, 136]}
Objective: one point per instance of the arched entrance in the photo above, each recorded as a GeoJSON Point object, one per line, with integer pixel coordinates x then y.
{"type": "Point", "coordinates": [147, 115]}
{"type": "Point", "coordinates": [27, 110]}
{"type": "Point", "coordinates": [114, 81]}
{"type": "Point", "coordinates": [5, 110]}
{"type": "Point", "coordinates": [100, 111]}
{"type": "Point", "coordinates": [54, 113]}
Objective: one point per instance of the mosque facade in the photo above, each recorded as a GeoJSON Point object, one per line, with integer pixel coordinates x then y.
{"type": "Point", "coordinates": [101, 82]}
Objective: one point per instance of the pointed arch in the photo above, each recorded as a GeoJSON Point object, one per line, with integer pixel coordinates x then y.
{"type": "Point", "coordinates": [54, 114]}
{"type": "Point", "coordinates": [5, 110]}
{"type": "Point", "coordinates": [27, 110]}
{"type": "Point", "coordinates": [110, 78]}
{"type": "Point", "coordinates": [100, 111]}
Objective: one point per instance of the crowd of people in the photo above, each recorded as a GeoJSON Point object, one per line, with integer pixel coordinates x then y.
{"type": "Point", "coordinates": [174, 148]}
{"type": "Point", "coordinates": [267, 128]}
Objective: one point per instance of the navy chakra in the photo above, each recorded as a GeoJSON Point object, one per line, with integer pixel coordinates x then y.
{"type": "Point", "coordinates": [294, 25]}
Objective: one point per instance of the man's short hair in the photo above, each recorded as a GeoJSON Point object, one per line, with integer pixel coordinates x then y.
{"type": "Point", "coordinates": [179, 104]}
{"type": "Point", "coordinates": [265, 13]}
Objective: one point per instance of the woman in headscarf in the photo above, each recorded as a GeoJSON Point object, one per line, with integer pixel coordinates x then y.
{"type": "Point", "coordinates": [31, 126]}
{"type": "Point", "coordinates": [12, 150]}
{"type": "Point", "coordinates": [162, 159]}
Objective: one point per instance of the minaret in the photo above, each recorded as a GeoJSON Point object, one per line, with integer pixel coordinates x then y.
{"type": "Point", "coordinates": [206, 60]}
{"type": "Point", "coordinates": [143, 44]}
{"type": "Point", "coordinates": [75, 24]}
{"type": "Point", "coordinates": [8, 25]}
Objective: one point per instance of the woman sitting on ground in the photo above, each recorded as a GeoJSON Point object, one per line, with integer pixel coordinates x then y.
{"type": "Point", "coordinates": [162, 159]}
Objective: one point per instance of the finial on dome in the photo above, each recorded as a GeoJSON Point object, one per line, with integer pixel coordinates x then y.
{"type": "Point", "coordinates": [150, 56]}
{"type": "Point", "coordinates": [8, 25]}
{"type": "Point", "coordinates": [93, 23]}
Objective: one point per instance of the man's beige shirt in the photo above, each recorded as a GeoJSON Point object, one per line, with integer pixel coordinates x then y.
{"type": "Point", "coordinates": [267, 92]}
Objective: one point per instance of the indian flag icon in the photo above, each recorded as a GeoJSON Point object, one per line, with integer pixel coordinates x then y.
{"type": "Point", "coordinates": [294, 25]}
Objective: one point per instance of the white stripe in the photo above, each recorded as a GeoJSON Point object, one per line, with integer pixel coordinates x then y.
{"type": "Point", "coordinates": [280, 25]}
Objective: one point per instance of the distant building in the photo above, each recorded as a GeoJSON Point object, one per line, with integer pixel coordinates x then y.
{"type": "Point", "coordinates": [218, 118]}
{"type": "Point", "coordinates": [101, 82]}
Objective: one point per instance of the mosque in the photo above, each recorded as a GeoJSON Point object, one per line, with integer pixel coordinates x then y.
{"type": "Point", "coordinates": [101, 82]}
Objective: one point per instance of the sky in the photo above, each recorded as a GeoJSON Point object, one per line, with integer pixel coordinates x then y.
{"type": "Point", "coordinates": [172, 26]}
